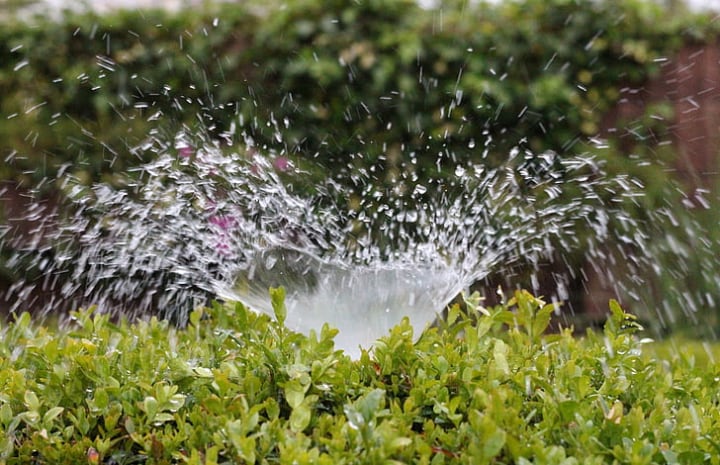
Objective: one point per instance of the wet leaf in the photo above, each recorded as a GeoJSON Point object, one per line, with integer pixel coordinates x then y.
{"type": "Point", "coordinates": [500, 353]}
{"type": "Point", "coordinates": [150, 406]}
{"type": "Point", "coordinates": [277, 298]}
{"type": "Point", "coordinates": [31, 401]}
{"type": "Point", "coordinates": [295, 393]}
{"type": "Point", "coordinates": [51, 414]}
{"type": "Point", "coordinates": [369, 404]}
{"type": "Point", "coordinates": [300, 417]}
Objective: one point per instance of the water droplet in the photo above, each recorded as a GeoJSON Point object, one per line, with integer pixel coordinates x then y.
{"type": "Point", "coordinates": [21, 64]}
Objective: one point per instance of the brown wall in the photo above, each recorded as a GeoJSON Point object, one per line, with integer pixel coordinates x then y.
{"type": "Point", "coordinates": [690, 83]}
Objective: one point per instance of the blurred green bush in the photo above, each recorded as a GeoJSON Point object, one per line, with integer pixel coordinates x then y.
{"type": "Point", "coordinates": [325, 79]}
{"type": "Point", "coordinates": [337, 86]}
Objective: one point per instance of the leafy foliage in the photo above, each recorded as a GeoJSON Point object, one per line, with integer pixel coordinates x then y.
{"type": "Point", "coordinates": [382, 90]}
{"type": "Point", "coordinates": [236, 387]}
{"type": "Point", "coordinates": [88, 94]}
{"type": "Point", "coordinates": [326, 80]}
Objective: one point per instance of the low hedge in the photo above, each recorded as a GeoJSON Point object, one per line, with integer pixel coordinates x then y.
{"type": "Point", "coordinates": [482, 387]}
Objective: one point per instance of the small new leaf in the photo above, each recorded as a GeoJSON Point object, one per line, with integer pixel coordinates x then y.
{"type": "Point", "coordinates": [51, 414]}
{"type": "Point", "coordinates": [277, 299]}
{"type": "Point", "coordinates": [621, 322]}
{"type": "Point", "coordinates": [31, 401]}
{"type": "Point", "coordinates": [542, 321]}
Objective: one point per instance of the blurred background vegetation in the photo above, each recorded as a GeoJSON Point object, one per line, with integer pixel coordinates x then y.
{"type": "Point", "coordinates": [413, 91]}
{"type": "Point", "coordinates": [12, 8]}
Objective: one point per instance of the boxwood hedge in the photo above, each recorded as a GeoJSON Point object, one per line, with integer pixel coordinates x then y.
{"type": "Point", "coordinates": [486, 386]}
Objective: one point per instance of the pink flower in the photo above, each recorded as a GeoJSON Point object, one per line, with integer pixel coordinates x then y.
{"type": "Point", "coordinates": [282, 164]}
{"type": "Point", "coordinates": [223, 248]}
{"type": "Point", "coordinates": [223, 222]}
{"type": "Point", "coordinates": [185, 152]}
{"type": "Point", "coordinates": [223, 225]}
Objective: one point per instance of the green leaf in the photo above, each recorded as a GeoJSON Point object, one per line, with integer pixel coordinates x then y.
{"type": "Point", "coordinates": [129, 425]}
{"type": "Point", "coordinates": [473, 304]}
{"type": "Point", "coordinates": [100, 399]}
{"type": "Point", "coordinates": [202, 372]}
{"type": "Point", "coordinates": [31, 401]}
{"type": "Point", "coordinates": [483, 327]}
{"type": "Point", "coordinates": [195, 317]}
{"type": "Point", "coordinates": [235, 432]}
{"type": "Point", "coordinates": [31, 417]}
{"type": "Point", "coordinates": [400, 442]}
{"type": "Point", "coordinates": [295, 393]}
{"type": "Point", "coordinates": [150, 406]}
{"type": "Point", "coordinates": [355, 419]}
{"type": "Point", "coordinates": [176, 402]}
{"type": "Point", "coordinates": [568, 409]}
{"type": "Point", "coordinates": [272, 409]}
{"type": "Point", "coordinates": [300, 417]}
{"type": "Point", "coordinates": [241, 313]}
{"type": "Point", "coordinates": [500, 352]}
{"type": "Point", "coordinates": [616, 310]}
{"type": "Point", "coordinates": [51, 414]}
{"type": "Point", "coordinates": [542, 321]}
{"type": "Point", "coordinates": [277, 299]}
{"type": "Point", "coordinates": [453, 313]}
{"type": "Point", "coordinates": [369, 404]}
{"type": "Point", "coordinates": [494, 443]}
{"type": "Point", "coordinates": [691, 457]}
{"type": "Point", "coordinates": [621, 322]}
{"type": "Point", "coordinates": [671, 458]}
{"type": "Point", "coordinates": [245, 446]}
{"type": "Point", "coordinates": [6, 414]}
{"type": "Point", "coordinates": [489, 438]}
{"type": "Point", "coordinates": [112, 416]}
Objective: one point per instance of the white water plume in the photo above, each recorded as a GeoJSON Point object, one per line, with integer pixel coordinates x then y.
{"type": "Point", "coordinates": [208, 222]}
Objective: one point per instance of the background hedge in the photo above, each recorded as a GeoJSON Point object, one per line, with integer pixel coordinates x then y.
{"type": "Point", "coordinates": [327, 79]}
{"type": "Point", "coordinates": [332, 84]}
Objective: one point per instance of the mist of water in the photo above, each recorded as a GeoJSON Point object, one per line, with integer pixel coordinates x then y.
{"type": "Point", "coordinates": [210, 221]}
{"type": "Point", "coordinates": [219, 218]}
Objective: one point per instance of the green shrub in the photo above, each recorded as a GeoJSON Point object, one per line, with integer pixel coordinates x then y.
{"type": "Point", "coordinates": [95, 93]}
{"type": "Point", "coordinates": [236, 387]}
{"type": "Point", "coordinates": [402, 92]}
{"type": "Point", "coordinates": [325, 80]}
